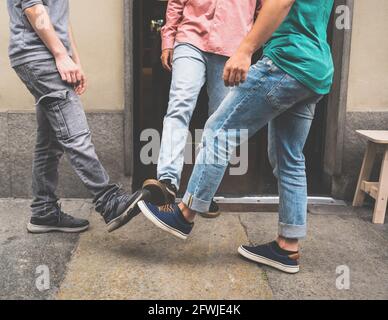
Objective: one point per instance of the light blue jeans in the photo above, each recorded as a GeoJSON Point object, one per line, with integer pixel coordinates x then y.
{"type": "Point", "coordinates": [268, 96]}
{"type": "Point", "coordinates": [191, 69]}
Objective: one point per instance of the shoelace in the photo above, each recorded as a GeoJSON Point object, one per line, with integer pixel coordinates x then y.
{"type": "Point", "coordinates": [169, 207]}
{"type": "Point", "coordinates": [113, 200]}
{"type": "Point", "coordinates": [60, 214]}
{"type": "Point", "coordinates": [122, 195]}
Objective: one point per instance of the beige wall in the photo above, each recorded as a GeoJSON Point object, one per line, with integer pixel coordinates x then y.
{"type": "Point", "coordinates": [98, 28]}
{"type": "Point", "coordinates": [368, 82]}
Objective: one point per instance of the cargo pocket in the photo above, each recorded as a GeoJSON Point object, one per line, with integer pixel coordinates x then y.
{"type": "Point", "coordinates": [66, 114]}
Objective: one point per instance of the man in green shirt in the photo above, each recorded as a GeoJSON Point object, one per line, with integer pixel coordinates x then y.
{"type": "Point", "coordinates": [281, 90]}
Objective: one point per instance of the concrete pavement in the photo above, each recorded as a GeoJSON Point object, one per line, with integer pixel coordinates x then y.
{"type": "Point", "coordinates": [142, 262]}
{"type": "Point", "coordinates": [22, 253]}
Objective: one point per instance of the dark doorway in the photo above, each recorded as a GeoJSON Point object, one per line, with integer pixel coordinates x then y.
{"type": "Point", "coordinates": [151, 89]}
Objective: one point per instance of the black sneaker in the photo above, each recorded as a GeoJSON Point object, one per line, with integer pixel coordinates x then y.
{"type": "Point", "coordinates": [162, 191]}
{"type": "Point", "coordinates": [122, 208]}
{"type": "Point", "coordinates": [272, 255]}
{"type": "Point", "coordinates": [214, 211]}
{"type": "Point", "coordinates": [57, 222]}
{"type": "Point", "coordinates": [171, 190]}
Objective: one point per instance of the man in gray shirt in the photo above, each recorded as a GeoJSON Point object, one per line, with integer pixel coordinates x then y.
{"type": "Point", "coordinates": [25, 44]}
{"type": "Point", "coordinates": [44, 55]}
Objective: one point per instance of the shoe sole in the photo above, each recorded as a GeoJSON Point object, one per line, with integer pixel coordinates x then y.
{"type": "Point", "coordinates": [33, 228]}
{"type": "Point", "coordinates": [210, 215]}
{"type": "Point", "coordinates": [268, 262]}
{"type": "Point", "coordinates": [160, 224]}
{"type": "Point", "coordinates": [159, 193]}
{"type": "Point", "coordinates": [124, 218]}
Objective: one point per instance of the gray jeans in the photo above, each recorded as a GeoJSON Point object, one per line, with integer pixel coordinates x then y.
{"type": "Point", "coordinates": [62, 128]}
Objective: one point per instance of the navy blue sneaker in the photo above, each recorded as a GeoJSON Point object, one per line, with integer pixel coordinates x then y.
{"type": "Point", "coordinates": [269, 255]}
{"type": "Point", "coordinates": [168, 218]}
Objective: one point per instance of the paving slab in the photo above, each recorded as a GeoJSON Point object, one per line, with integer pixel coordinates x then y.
{"type": "Point", "coordinates": [332, 241]}
{"type": "Point", "coordinates": [21, 253]}
{"type": "Point", "coordinates": [140, 261]}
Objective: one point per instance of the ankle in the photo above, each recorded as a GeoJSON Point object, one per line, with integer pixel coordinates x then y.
{"type": "Point", "coordinates": [187, 213]}
{"type": "Point", "coordinates": [288, 244]}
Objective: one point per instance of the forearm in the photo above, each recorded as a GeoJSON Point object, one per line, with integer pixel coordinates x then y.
{"type": "Point", "coordinates": [270, 17]}
{"type": "Point", "coordinates": [174, 16]}
{"type": "Point", "coordinates": [75, 53]}
{"type": "Point", "coordinates": [39, 19]}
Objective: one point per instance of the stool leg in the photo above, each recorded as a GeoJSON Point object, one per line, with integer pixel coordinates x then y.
{"type": "Point", "coordinates": [366, 169]}
{"type": "Point", "coordinates": [382, 197]}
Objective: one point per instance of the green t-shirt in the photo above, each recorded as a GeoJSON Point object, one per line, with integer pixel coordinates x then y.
{"type": "Point", "coordinates": [300, 48]}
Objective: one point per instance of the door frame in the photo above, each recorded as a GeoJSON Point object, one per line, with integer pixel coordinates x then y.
{"type": "Point", "coordinates": [337, 99]}
{"type": "Point", "coordinates": [129, 86]}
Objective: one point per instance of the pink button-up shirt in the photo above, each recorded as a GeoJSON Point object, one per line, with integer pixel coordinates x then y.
{"type": "Point", "coordinates": [216, 26]}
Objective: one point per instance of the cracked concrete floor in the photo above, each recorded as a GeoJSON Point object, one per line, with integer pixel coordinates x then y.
{"type": "Point", "coordinates": [141, 262]}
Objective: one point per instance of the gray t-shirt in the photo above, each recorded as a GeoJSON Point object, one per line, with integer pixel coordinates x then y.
{"type": "Point", "coordinates": [25, 45]}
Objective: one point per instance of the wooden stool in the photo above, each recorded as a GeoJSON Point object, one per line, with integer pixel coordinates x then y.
{"type": "Point", "coordinates": [377, 190]}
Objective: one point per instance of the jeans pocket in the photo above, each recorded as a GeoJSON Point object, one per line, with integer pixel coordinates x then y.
{"type": "Point", "coordinates": [287, 92]}
{"type": "Point", "coordinates": [23, 75]}
{"type": "Point", "coordinates": [41, 68]}
{"type": "Point", "coordinates": [67, 117]}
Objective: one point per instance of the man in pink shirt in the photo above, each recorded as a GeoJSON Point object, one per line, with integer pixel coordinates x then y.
{"type": "Point", "coordinates": [198, 38]}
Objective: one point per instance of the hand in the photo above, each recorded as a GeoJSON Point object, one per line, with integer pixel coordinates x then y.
{"type": "Point", "coordinates": [68, 69]}
{"type": "Point", "coordinates": [71, 73]}
{"type": "Point", "coordinates": [167, 55]}
{"type": "Point", "coordinates": [81, 86]}
{"type": "Point", "coordinates": [236, 69]}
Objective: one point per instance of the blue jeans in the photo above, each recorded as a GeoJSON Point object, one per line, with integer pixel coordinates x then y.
{"type": "Point", "coordinates": [191, 69]}
{"type": "Point", "coordinates": [268, 96]}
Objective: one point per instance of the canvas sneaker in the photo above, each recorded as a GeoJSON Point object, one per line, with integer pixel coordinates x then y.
{"type": "Point", "coordinates": [272, 255]}
{"type": "Point", "coordinates": [168, 218]}
{"type": "Point", "coordinates": [164, 192]}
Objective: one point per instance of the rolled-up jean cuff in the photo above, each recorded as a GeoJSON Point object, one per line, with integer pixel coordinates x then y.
{"type": "Point", "coordinates": [195, 204]}
{"type": "Point", "coordinates": [292, 231]}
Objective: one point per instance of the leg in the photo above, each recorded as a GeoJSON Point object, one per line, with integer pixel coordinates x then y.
{"type": "Point", "coordinates": [267, 93]}
{"type": "Point", "coordinates": [64, 128]}
{"type": "Point", "coordinates": [64, 114]}
{"type": "Point", "coordinates": [382, 196]}
{"type": "Point", "coordinates": [216, 89]}
{"type": "Point", "coordinates": [272, 157]}
{"type": "Point", "coordinates": [287, 136]}
{"type": "Point", "coordinates": [366, 169]}
{"type": "Point", "coordinates": [188, 77]}
{"type": "Point", "coordinates": [45, 167]}
{"type": "Point", "coordinates": [67, 118]}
